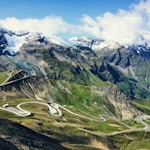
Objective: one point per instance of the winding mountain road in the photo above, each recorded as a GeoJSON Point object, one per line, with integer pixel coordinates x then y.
{"type": "Point", "coordinates": [142, 119]}
{"type": "Point", "coordinates": [54, 110]}
{"type": "Point", "coordinates": [19, 112]}
{"type": "Point", "coordinates": [101, 119]}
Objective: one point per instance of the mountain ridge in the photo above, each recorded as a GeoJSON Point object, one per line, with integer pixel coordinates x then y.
{"type": "Point", "coordinates": [8, 37]}
{"type": "Point", "coordinates": [42, 56]}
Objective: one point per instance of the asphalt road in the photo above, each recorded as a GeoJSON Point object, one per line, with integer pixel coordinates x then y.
{"type": "Point", "coordinates": [142, 119]}
{"type": "Point", "coordinates": [55, 110]}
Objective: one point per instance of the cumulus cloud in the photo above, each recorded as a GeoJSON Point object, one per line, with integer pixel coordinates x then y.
{"type": "Point", "coordinates": [49, 25]}
{"type": "Point", "coordinates": [126, 26]}
{"type": "Point", "coordinates": [123, 27]}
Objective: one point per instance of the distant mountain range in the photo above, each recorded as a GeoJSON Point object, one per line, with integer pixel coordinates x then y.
{"type": "Point", "coordinates": [126, 66]}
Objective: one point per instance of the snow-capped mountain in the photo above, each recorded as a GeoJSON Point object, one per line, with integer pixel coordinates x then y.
{"type": "Point", "coordinates": [94, 44]}
{"type": "Point", "coordinates": [11, 42]}
{"type": "Point", "coordinates": [53, 56]}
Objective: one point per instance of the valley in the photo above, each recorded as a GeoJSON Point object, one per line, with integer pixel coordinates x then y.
{"type": "Point", "coordinates": [87, 94]}
{"type": "Point", "coordinates": [66, 119]}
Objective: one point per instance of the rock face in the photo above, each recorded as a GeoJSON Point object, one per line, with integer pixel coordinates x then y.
{"type": "Point", "coordinates": [23, 84]}
{"type": "Point", "coordinates": [3, 43]}
{"type": "Point", "coordinates": [121, 103]}
{"type": "Point", "coordinates": [117, 102]}
{"type": "Point", "coordinates": [128, 69]}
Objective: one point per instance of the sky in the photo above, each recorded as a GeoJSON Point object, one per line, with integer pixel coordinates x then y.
{"type": "Point", "coordinates": [126, 21]}
{"type": "Point", "coordinates": [70, 10]}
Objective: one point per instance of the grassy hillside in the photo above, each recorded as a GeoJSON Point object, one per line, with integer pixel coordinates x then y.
{"type": "Point", "coordinates": [142, 105]}
{"type": "Point", "coordinates": [72, 131]}
{"type": "Point", "coordinates": [3, 77]}
{"type": "Point", "coordinates": [17, 137]}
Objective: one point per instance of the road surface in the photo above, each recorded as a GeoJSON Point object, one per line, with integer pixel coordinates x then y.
{"type": "Point", "coordinates": [141, 120]}
{"type": "Point", "coordinates": [19, 112]}
{"type": "Point", "coordinates": [54, 110]}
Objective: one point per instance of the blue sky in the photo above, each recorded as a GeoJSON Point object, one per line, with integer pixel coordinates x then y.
{"type": "Point", "coordinates": [126, 21]}
{"type": "Point", "coordinates": [69, 10]}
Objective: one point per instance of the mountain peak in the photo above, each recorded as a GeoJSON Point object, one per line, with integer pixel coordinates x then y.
{"type": "Point", "coordinates": [11, 42]}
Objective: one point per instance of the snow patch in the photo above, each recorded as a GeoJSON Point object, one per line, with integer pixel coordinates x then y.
{"type": "Point", "coordinates": [58, 40]}
{"type": "Point", "coordinates": [94, 44]}
{"type": "Point", "coordinates": [14, 42]}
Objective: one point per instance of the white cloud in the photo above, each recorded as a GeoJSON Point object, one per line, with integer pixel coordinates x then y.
{"type": "Point", "coordinates": [125, 26]}
{"type": "Point", "coordinates": [48, 25]}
